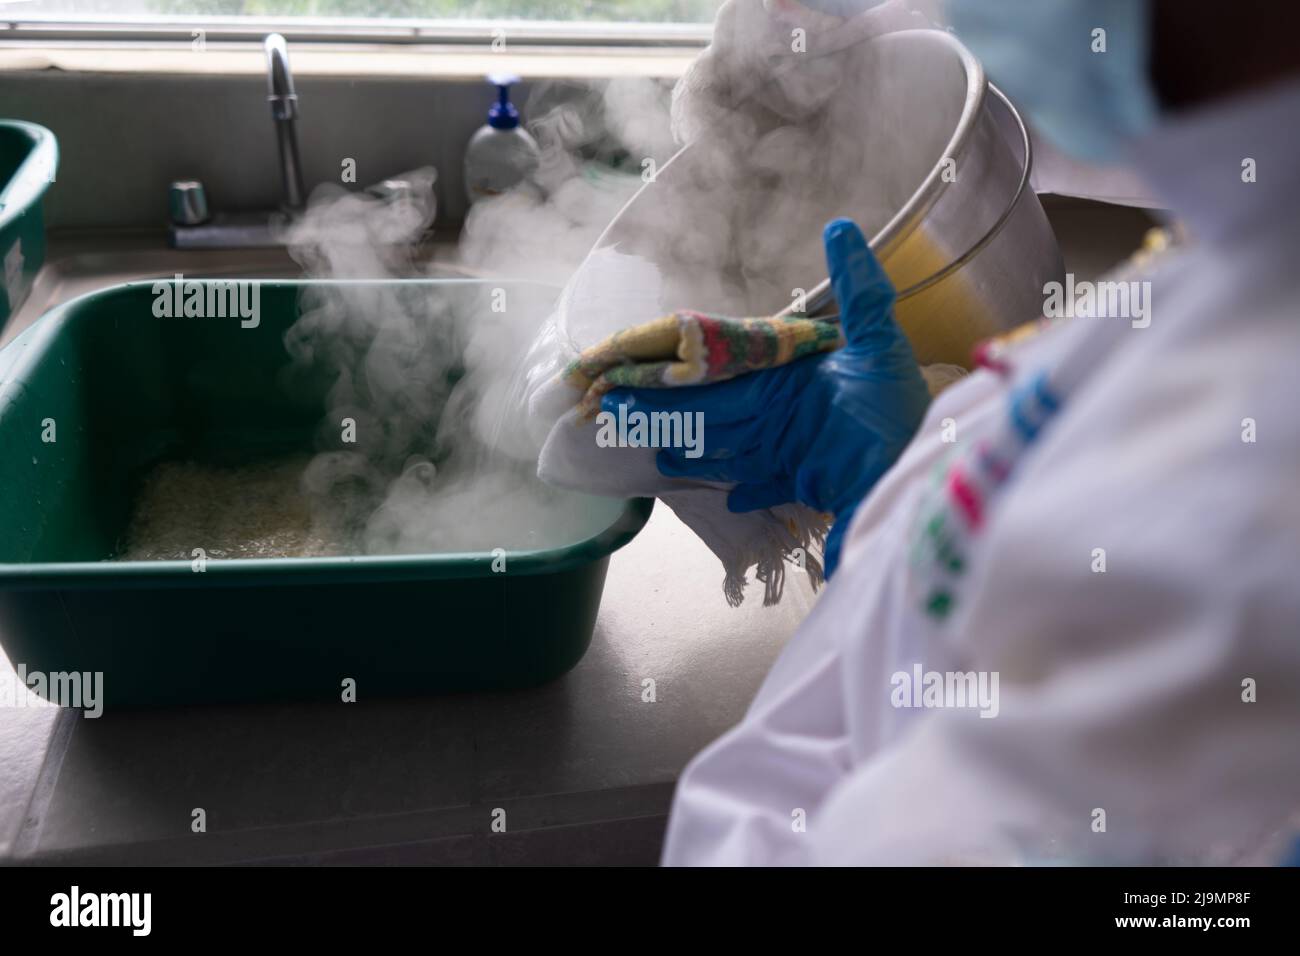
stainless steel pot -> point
(964, 239)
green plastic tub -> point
(29, 156)
(125, 390)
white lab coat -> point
(1120, 691)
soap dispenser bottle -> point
(501, 154)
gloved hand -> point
(820, 430)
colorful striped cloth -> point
(692, 348)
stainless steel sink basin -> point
(77, 263)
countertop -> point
(583, 767)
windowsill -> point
(454, 62)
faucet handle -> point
(188, 203)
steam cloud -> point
(438, 383)
(433, 377)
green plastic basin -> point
(124, 390)
(29, 156)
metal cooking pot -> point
(944, 190)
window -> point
(596, 11)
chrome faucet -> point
(192, 227)
(284, 111)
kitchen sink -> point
(81, 262)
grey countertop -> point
(583, 768)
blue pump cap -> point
(502, 114)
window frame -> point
(342, 30)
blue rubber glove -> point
(821, 430)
